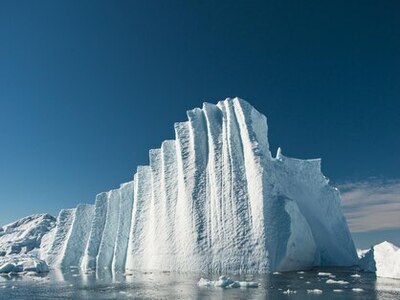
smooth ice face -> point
(319, 203)
(56, 252)
(213, 199)
(96, 232)
(78, 235)
(70, 236)
(124, 221)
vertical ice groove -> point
(79, 234)
(96, 232)
(184, 226)
(124, 224)
(213, 116)
(155, 237)
(242, 221)
(63, 230)
(254, 172)
(168, 205)
(107, 244)
(225, 203)
(134, 215)
(136, 257)
(198, 133)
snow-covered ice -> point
(21, 242)
(26, 234)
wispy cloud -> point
(371, 204)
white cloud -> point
(371, 204)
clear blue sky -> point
(88, 87)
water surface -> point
(145, 285)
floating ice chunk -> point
(314, 291)
(337, 291)
(249, 284)
(7, 268)
(357, 290)
(223, 281)
(324, 274)
(288, 292)
(234, 284)
(300, 272)
(203, 282)
(331, 281)
(356, 275)
(226, 282)
(277, 273)
(22, 263)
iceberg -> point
(214, 199)
(383, 259)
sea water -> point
(315, 284)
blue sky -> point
(88, 87)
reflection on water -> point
(73, 284)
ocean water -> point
(148, 285)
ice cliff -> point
(213, 199)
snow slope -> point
(26, 234)
(384, 259)
(22, 242)
(214, 199)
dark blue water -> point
(75, 285)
